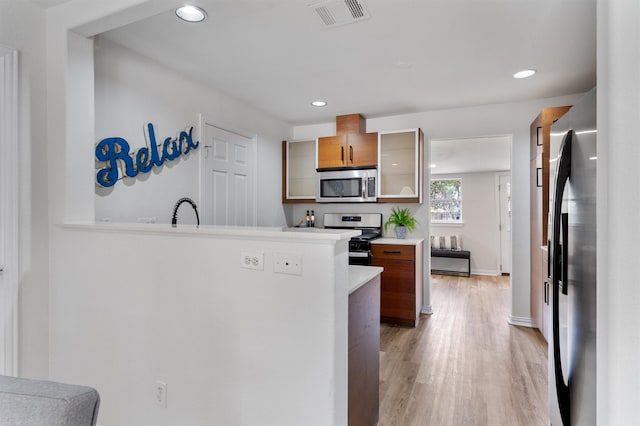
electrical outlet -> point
(287, 263)
(252, 260)
(161, 394)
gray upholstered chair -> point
(25, 402)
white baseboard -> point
(521, 321)
(426, 309)
(489, 272)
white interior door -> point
(504, 188)
(229, 178)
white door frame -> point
(202, 190)
(9, 275)
(499, 256)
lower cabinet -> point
(401, 290)
(546, 296)
(364, 354)
(537, 288)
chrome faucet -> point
(174, 219)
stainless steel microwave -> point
(347, 186)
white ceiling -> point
(471, 155)
(409, 56)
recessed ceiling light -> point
(319, 103)
(191, 13)
(432, 166)
(524, 73)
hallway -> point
(464, 364)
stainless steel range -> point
(360, 246)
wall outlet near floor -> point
(252, 260)
(161, 394)
(287, 263)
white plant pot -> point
(401, 232)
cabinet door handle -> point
(342, 154)
(546, 292)
(539, 177)
(549, 259)
(351, 153)
(391, 252)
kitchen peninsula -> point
(235, 343)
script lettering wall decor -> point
(116, 151)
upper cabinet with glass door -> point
(299, 171)
(400, 166)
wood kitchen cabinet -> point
(401, 289)
(354, 150)
(540, 135)
(364, 354)
(540, 140)
(401, 166)
(299, 171)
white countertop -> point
(406, 241)
(360, 275)
(254, 232)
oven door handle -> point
(358, 254)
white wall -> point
(480, 233)
(132, 91)
(234, 346)
(80, 122)
(22, 27)
(502, 119)
(618, 304)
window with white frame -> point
(446, 200)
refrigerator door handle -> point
(564, 274)
(559, 270)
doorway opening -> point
(480, 165)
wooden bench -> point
(452, 254)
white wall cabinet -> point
(299, 171)
(400, 166)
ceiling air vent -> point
(340, 12)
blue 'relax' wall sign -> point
(110, 150)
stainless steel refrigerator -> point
(572, 265)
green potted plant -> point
(403, 221)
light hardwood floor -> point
(464, 364)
